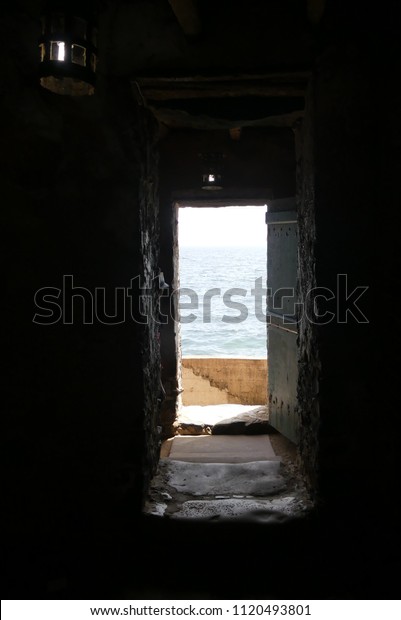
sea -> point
(222, 304)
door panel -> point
(282, 262)
(283, 374)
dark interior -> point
(89, 190)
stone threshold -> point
(266, 491)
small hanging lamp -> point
(211, 180)
(68, 53)
(212, 170)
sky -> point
(222, 226)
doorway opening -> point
(231, 463)
(223, 341)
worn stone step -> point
(222, 449)
(260, 478)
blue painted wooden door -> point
(282, 264)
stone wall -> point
(308, 350)
(79, 196)
(213, 381)
(145, 137)
(170, 330)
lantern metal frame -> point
(68, 54)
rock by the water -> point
(254, 421)
(191, 428)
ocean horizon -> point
(221, 303)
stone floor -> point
(246, 477)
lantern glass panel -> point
(57, 50)
(78, 55)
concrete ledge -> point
(213, 380)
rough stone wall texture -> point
(241, 381)
(79, 185)
(146, 132)
(308, 360)
(170, 330)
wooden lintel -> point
(282, 76)
(161, 94)
(159, 89)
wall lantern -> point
(68, 54)
(212, 170)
